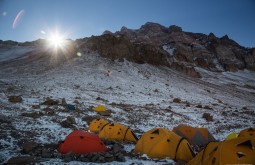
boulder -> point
(29, 147)
(188, 70)
(22, 160)
(15, 99)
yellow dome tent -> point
(118, 132)
(194, 135)
(99, 108)
(160, 143)
(97, 124)
(249, 132)
(233, 151)
(232, 135)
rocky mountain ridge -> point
(191, 49)
(165, 46)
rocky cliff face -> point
(166, 46)
(183, 51)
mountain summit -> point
(178, 49)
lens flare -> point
(4, 13)
(43, 32)
(78, 54)
(18, 18)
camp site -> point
(127, 82)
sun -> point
(56, 40)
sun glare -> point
(56, 40)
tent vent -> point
(152, 137)
(213, 160)
(168, 140)
(246, 143)
(240, 154)
(81, 137)
(155, 132)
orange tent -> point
(97, 124)
(195, 136)
(249, 132)
(81, 142)
(233, 151)
(160, 143)
(118, 132)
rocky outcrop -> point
(172, 47)
(250, 59)
(120, 47)
(195, 49)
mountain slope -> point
(123, 72)
(138, 95)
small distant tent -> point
(195, 136)
(160, 143)
(249, 132)
(97, 124)
(81, 142)
(118, 132)
(99, 108)
(232, 135)
(233, 151)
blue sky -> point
(83, 18)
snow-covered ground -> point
(139, 96)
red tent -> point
(81, 142)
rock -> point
(71, 119)
(105, 113)
(107, 32)
(114, 48)
(250, 59)
(88, 119)
(68, 123)
(120, 157)
(22, 160)
(199, 106)
(33, 115)
(201, 62)
(57, 155)
(15, 99)
(29, 147)
(46, 154)
(191, 50)
(84, 159)
(117, 148)
(176, 100)
(35, 106)
(101, 159)
(188, 70)
(63, 102)
(68, 157)
(108, 155)
(174, 28)
(208, 117)
(50, 101)
(95, 157)
(207, 107)
(110, 159)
